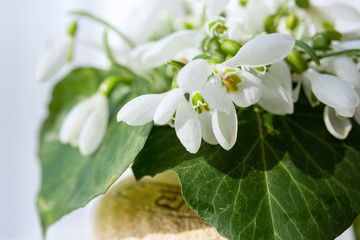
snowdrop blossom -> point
(86, 124)
(332, 91)
(56, 56)
(193, 120)
(243, 88)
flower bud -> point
(270, 24)
(297, 62)
(292, 21)
(109, 84)
(320, 42)
(243, 3)
(72, 29)
(303, 3)
(230, 47)
(332, 35)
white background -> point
(25, 26)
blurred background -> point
(26, 26)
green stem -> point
(356, 226)
(108, 49)
(349, 51)
(110, 26)
(109, 84)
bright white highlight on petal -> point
(140, 110)
(187, 127)
(53, 59)
(166, 48)
(263, 50)
(225, 128)
(167, 106)
(338, 126)
(194, 75)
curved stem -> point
(110, 26)
(108, 49)
(349, 51)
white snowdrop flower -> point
(153, 18)
(332, 91)
(241, 86)
(193, 121)
(337, 125)
(86, 124)
(166, 48)
(54, 58)
(276, 96)
(217, 28)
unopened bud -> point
(297, 62)
(303, 3)
(332, 35)
(230, 47)
(292, 21)
(320, 42)
(109, 84)
(270, 24)
(72, 29)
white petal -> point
(215, 7)
(282, 74)
(355, 44)
(342, 11)
(140, 110)
(249, 91)
(94, 130)
(194, 75)
(167, 106)
(71, 127)
(263, 50)
(166, 48)
(338, 126)
(53, 59)
(274, 98)
(225, 128)
(345, 68)
(334, 92)
(187, 127)
(207, 129)
(216, 97)
(306, 83)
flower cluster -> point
(229, 55)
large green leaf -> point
(70, 181)
(286, 177)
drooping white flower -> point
(241, 86)
(54, 58)
(332, 91)
(193, 121)
(166, 48)
(86, 124)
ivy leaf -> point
(286, 177)
(69, 180)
